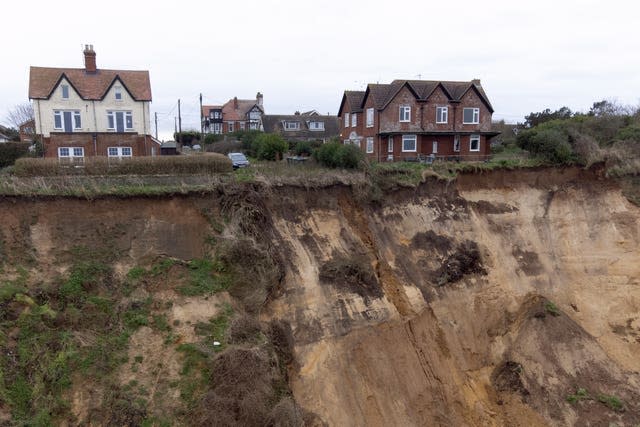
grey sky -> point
(303, 55)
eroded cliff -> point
(507, 298)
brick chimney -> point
(259, 99)
(89, 59)
(235, 102)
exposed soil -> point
(338, 318)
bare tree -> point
(20, 114)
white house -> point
(89, 111)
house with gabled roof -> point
(234, 115)
(306, 126)
(406, 119)
(90, 111)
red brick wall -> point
(103, 141)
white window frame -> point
(473, 138)
(64, 88)
(346, 120)
(117, 93)
(76, 119)
(217, 128)
(316, 126)
(442, 115)
(408, 138)
(456, 143)
(291, 126)
(230, 127)
(390, 145)
(120, 152)
(475, 116)
(434, 147)
(404, 113)
(72, 153)
(370, 117)
(354, 120)
(127, 118)
(369, 145)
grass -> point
(206, 277)
(611, 402)
(580, 394)
(552, 309)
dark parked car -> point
(239, 160)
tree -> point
(534, 119)
(268, 146)
(609, 108)
(19, 114)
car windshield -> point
(237, 156)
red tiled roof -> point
(231, 113)
(207, 108)
(90, 86)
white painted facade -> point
(93, 114)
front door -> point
(119, 121)
(68, 127)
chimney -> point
(235, 102)
(476, 82)
(89, 59)
(259, 99)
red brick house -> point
(407, 119)
(236, 114)
(90, 111)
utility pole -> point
(179, 123)
(156, 117)
(175, 127)
(201, 122)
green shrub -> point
(338, 155)
(187, 137)
(269, 147)
(549, 141)
(211, 138)
(581, 394)
(303, 148)
(170, 165)
(631, 132)
(11, 151)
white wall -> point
(93, 113)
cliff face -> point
(485, 301)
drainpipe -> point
(44, 148)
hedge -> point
(208, 163)
(10, 151)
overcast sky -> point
(302, 55)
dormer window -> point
(65, 91)
(316, 125)
(118, 92)
(291, 125)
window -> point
(456, 143)
(442, 114)
(215, 114)
(119, 151)
(370, 145)
(70, 153)
(230, 126)
(409, 143)
(118, 92)
(65, 91)
(217, 128)
(119, 120)
(346, 120)
(241, 125)
(354, 120)
(316, 125)
(471, 115)
(291, 125)
(369, 117)
(474, 143)
(67, 121)
(434, 147)
(405, 113)
(390, 145)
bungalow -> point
(307, 126)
